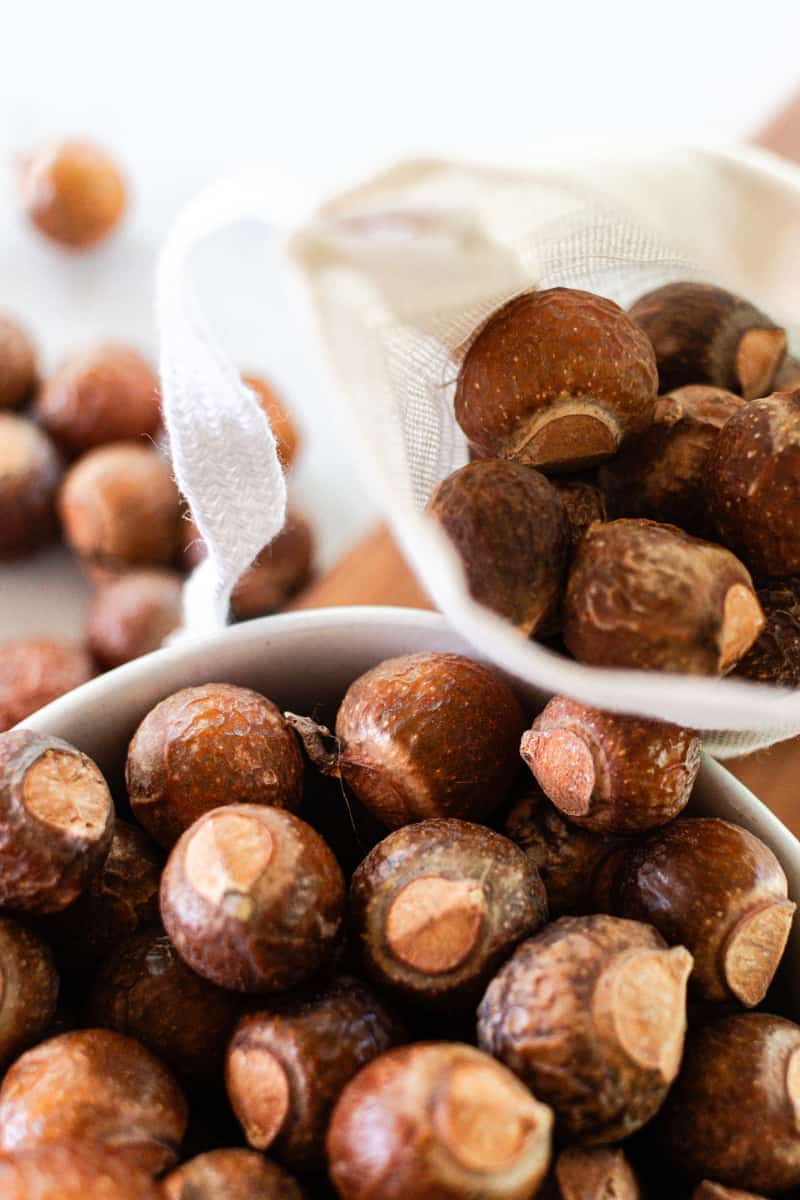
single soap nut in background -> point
(556, 379)
(280, 570)
(119, 507)
(230, 1174)
(661, 474)
(611, 773)
(56, 821)
(207, 746)
(591, 1015)
(584, 503)
(253, 899)
(753, 484)
(19, 373)
(716, 889)
(423, 735)
(35, 671)
(732, 1116)
(144, 990)
(595, 1173)
(438, 1119)
(96, 1086)
(73, 192)
(108, 393)
(286, 1067)
(28, 988)
(775, 655)
(651, 597)
(284, 429)
(30, 474)
(509, 527)
(704, 334)
(437, 906)
(71, 1171)
(132, 615)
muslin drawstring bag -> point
(389, 280)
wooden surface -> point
(375, 572)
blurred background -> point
(182, 93)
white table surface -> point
(186, 91)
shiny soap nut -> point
(28, 988)
(230, 1174)
(509, 527)
(207, 746)
(718, 890)
(611, 773)
(286, 1067)
(132, 615)
(56, 821)
(119, 507)
(438, 1119)
(30, 473)
(277, 573)
(556, 379)
(108, 393)
(734, 1113)
(253, 899)
(120, 900)
(94, 1086)
(651, 597)
(775, 655)
(661, 474)
(35, 671)
(753, 484)
(283, 427)
(596, 1173)
(438, 905)
(75, 1170)
(73, 192)
(704, 334)
(147, 992)
(591, 1015)
(429, 735)
(18, 370)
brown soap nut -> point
(438, 1119)
(591, 1014)
(611, 773)
(651, 597)
(707, 1190)
(94, 1085)
(120, 900)
(775, 655)
(108, 393)
(30, 472)
(438, 905)
(596, 1173)
(36, 671)
(584, 503)
(509, 527)
(146, 991)
(753, 484)
(277, 573)
(661, 474)
(566, 856)
(283, 427)
(253, 899)
(230, 1174)
(73, 192)
(75, 1170)
(119, 507)
(713, 887)
(286, 1067)
(704, 334)
(556, 379)
(56, 821)
(426, 735)
(733, 1114)
(132, 615)
(207, 746)
(28, 988)
(18, 370)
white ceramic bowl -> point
(304, 662)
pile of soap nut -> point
(80, 458)
(634, 490)
(450, 951)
